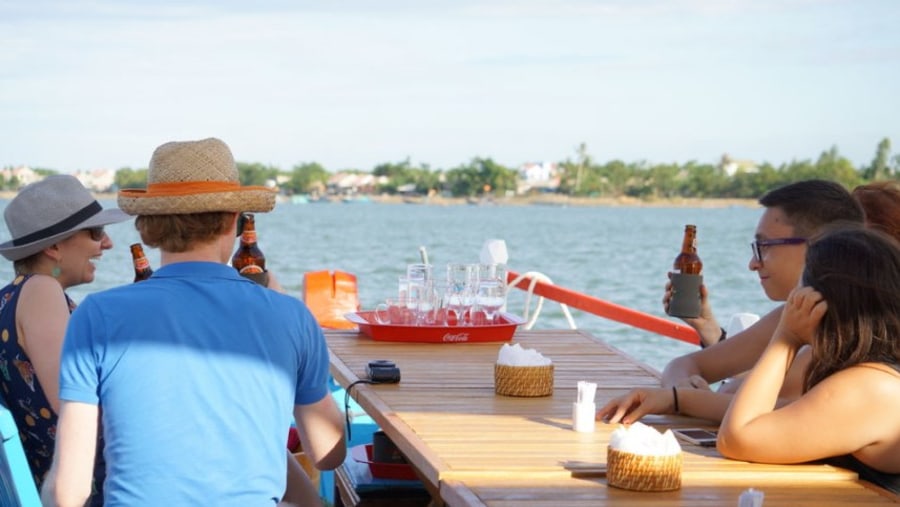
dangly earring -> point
(56, 271)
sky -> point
(355, 83)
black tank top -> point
(890, 482)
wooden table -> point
(473, 447)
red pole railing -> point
(608, 310)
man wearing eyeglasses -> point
(793, 214)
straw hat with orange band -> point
(194, 177)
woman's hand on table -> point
(630, 407)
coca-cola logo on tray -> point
(457, 337)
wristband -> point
(721, 338)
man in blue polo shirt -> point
(197, 373)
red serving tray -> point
(500, 331)
(402, 471)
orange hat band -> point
(185, 188)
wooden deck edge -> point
(456, 494)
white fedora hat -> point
(48, 211)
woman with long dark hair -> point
(847, 308)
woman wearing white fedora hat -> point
(198, 370)
(57, 233)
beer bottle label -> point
(141, 264)
(251, 269)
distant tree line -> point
(579, 176)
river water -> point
(620, 254)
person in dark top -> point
(57, 234)
(847, 309)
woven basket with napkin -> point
(639, 458)
(522, 372)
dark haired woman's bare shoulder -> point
(891, 369)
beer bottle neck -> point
(248, 237)
(689, 244)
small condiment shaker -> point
(583, 415)
(751, 498)
(584, 410)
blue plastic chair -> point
(17, 488)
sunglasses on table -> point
(758, 245)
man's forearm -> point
(51, 497)
(703, 404)
(678, 372)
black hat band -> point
(61, 226)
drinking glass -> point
(462, 280)
(393, 311)
(402, 286)
(423, 301)
(418, 271)
(490, 297)
(438, 315)
(415, 293)
(492, 271)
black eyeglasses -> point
(96, 233)
(758, 245)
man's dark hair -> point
(810, 204)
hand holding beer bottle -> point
(686, 278)
(248, 259)
(142, 270)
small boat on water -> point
(481, 201)
(356, 199)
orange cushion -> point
(329, 296)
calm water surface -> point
(620, 254)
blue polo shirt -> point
(196, 371)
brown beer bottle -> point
(688, 262)
(248, 259)
(142, 270)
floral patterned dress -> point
(24, 396)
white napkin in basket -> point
(515, 355)
(638, 438)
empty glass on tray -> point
(490, 296)
(462, 279)
(470, 294)
(394, 311)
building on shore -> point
(14, 178)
